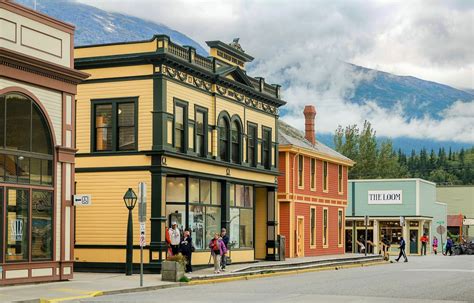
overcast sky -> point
(431, 40)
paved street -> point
(422, 279)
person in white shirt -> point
(175, 238)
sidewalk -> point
(83, 285)
(86, 285)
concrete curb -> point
(249, 275)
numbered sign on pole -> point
(142, 234)
(142, 202)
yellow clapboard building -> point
(201, 134)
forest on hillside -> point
(381, 161)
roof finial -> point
(235, 44)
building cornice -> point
(313, 153)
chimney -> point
(309, 131)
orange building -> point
(312, 192)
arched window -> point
(26, 157)
(224, 138)
(26, 148)
(236, 141)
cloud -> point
(304, 46)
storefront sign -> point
(82, 200)
(468, 222)
(385, 197)
(16, 228)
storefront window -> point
(204, 207)
(426, 228)
(175, 189)
(196, 223)
(213, 222)
(390, 230)
(17, 225)
(176, 213)
(241, 217)
(41, 225)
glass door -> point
(413, 241)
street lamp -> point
(130, 199)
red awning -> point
(455, 220)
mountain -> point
(418, 98)
(96, 26)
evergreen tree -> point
(367, 152)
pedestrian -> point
(435, 245)
(186, 247)
(175, 238)
(225, 239)
(386, 248)
(449, 246)
(217, 251)
(424, 240)
(402, 250)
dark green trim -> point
(115, 134)
(111, 168)
(160, 57)
(236, 118)
(117, 79)
(185, 105)
(159, 112)
(205, 113)
(157, 244)
(115, 267)
(226, 117)
(267, 130)
(160, 36)
(108, 154)
(230, 50)
(255, 153)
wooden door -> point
(300, 237)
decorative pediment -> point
(237, 74)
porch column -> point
(272, 222)
(376, 233)
(158, 220)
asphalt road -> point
(422, 279)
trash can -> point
(281, 248)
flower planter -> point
(172, 271)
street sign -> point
(142, 234)
(440, 222)
(142, 202)
(441, 229)
(82, 200)
(402, 221)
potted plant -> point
(173, 268)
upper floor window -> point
(236, 139)
(251, 144)
(180, 124)
(223, 138)
(201, 132)
(325, 175)
(266, 147)
(26, 143)
(313, 173)
(115, 125)
(300, 170)
(339, 179)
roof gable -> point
(236, 73)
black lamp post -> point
(130, 199)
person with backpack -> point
(402, 250)
(186, 247)
(218, 249)
(449, 246)
(225, 239)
